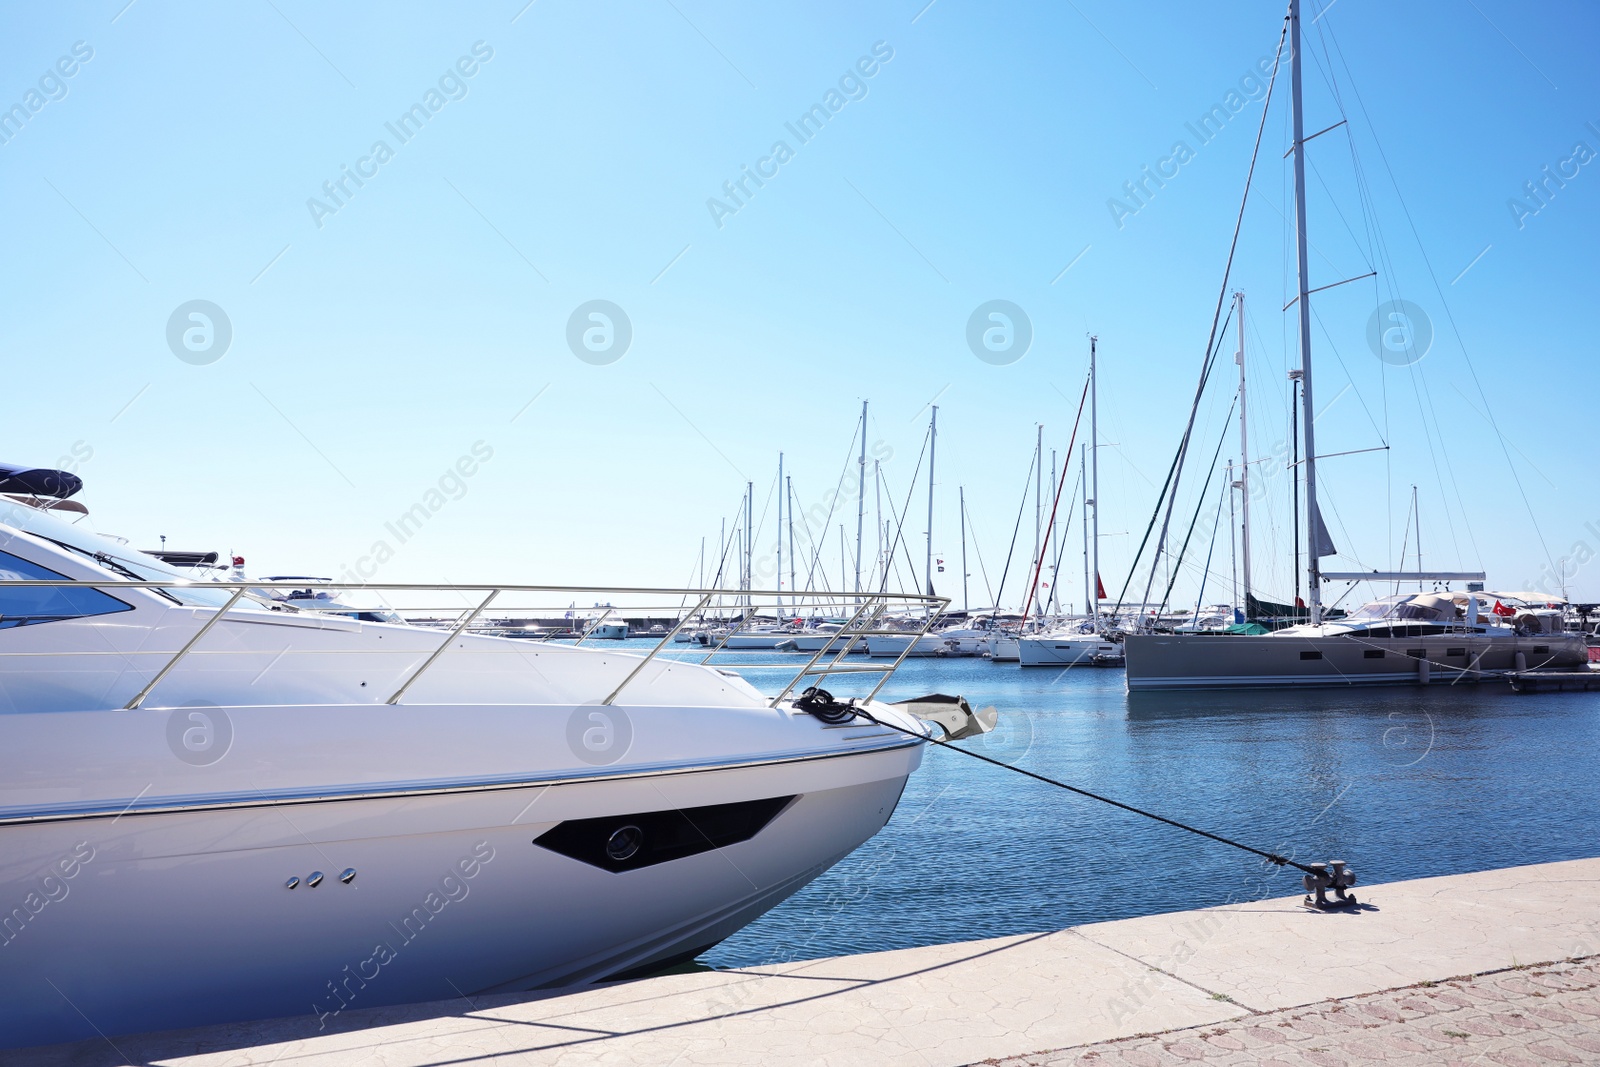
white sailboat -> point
(1083, 644)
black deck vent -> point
(626, 842)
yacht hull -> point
(1064, 651)
(180, 918)
(1240, 662)
(817, 642)
(778, 642)
(886, 646)
(1006, 650)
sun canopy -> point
(38, 481)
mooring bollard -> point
(1338, 879)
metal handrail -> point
(877, 603)
(806, 670)
(465, 622)
(659, 646)
(133, 705)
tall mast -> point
(1417, 511)
(788, 492)
(1038, 501)
(878, 526)
(1050, 546)
(1294, 480)
(842, 584)
(1244, 460)
(749, 539)
(933, 439)
(1094, 482)
(962, 490)
(861, 491)
(1233, 559)
(1313, 516)
(1091, 603)
(780, 529)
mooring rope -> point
(820, 702)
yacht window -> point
(28, 605)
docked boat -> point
(761, 639)
(912, 644)
(977, 635)
(1398, 638)
(215, 807)
(1403, 638)
(1068, 649)
(609, 630)
(1006, 648)
(828, 636)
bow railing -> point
(727, 629)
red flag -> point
(1099, 588)
(1299, 603)
(1503, 611)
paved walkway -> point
(1200, 977)
(1525, 1016)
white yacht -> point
(1006, 647)
(1070, 648)
(976, 636)
(215, 807)
(761, 639)
(822, 635)
(910, 644)
(608, 629)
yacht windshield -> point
(1387, 608)
(116, 558)
(1405, 607)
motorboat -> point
(609, 629)
(215, 806)
(1401, 638)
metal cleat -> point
(1338, 879)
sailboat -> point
(1084, 644)
(915, 642)
(1401, 638)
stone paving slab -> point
(1445, 926)
(1526, 1016)
(946, 1005)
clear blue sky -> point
(373, 345)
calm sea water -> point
(1402, 783)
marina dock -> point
(1497, 962)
